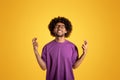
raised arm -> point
(80, 59)
(40, 61)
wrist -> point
(84, 51)
(35, 51)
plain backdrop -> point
(97, 21)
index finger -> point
(34, 39)
(85, 42)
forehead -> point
(60, 23)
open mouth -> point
(59, 31)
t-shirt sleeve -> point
(74, 55)
(44, 54)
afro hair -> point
(54, 21)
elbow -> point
(43, 68)
(74, 67)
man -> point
(59, 56)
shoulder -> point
(70, 43)
(49, 44)
(73, 46)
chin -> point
(59, 35)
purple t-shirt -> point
(59, 59)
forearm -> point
(80, 59)
(40, 60)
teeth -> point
(59, 31)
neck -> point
(60, 39)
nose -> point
(59, 27)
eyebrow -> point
(62, 24)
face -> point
(60, 29)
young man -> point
(59, 56)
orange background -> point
(97, 21)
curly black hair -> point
(54, 21)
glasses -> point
(60, 26)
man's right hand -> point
(35, 44)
